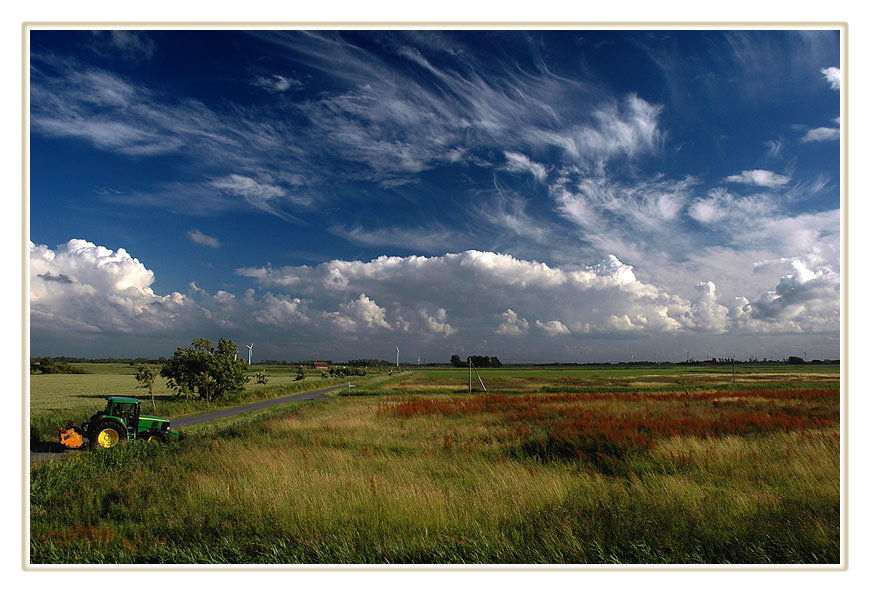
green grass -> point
(347, 480)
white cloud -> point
(740, 213)
(435, 238)
(832, 75)
(362, 311)
(276, 83)
(759, 177)
(280, 311)
(263, 196)
(197, 236)
(127, 45)
(512, 325)
(808, 297)
(706, 313)
(821, 135)
(80, 285)
(473, 284)
(774, 148)
(437, 324)
(553, 327)
(520, 163)
(80, 288)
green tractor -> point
(119, 421)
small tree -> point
(203, 372)
(300, 373)
(145, 375)
(456, 361)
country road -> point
(51, 451)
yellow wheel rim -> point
(154, 439)
(108, 437)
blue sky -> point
(545, 195)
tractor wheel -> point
(155, 436)
(108, 433)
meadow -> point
(657, 465)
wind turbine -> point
(397, 356)
(250, 349)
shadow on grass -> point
(37, 445)
(141, 398)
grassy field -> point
(550, 465)
(56, 399)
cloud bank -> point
(437, 302)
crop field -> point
(656, 465)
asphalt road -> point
(237, 410)
(50, 451)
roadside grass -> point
(398, 474)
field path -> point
(39, 454)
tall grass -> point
(356, 480)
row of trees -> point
(48, 365)
(370, 363)
(476, 360)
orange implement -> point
(70, 438)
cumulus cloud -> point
(279, 311)
(809, 295)
(473, 283)
(512, 324)
(81, 288)
(553, 327)
(832, 75)
(706, 313)
(367, 311)
(759, 177)
(437, 324)
(197, 236)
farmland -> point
(549, 465)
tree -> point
(456, 361)
(202, 372)
(300, 373)
(145, 375)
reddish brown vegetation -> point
(582, 426)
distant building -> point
(320, 365)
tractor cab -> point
(126, 409)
